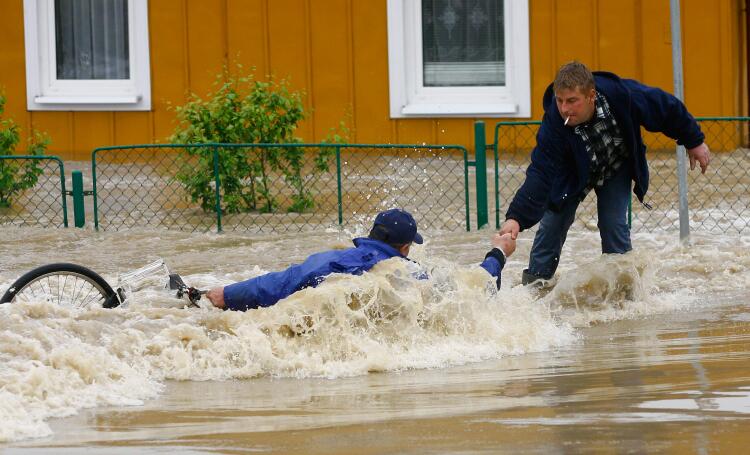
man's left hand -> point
(702, 155)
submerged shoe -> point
(539, 283)
(528, 278)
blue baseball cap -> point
(401, 227)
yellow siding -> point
(169, 63)
(370, 73)
(330, 64)
(247, 33)
(336, 52)
(12, 57)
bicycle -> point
(80, 287)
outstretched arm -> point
(532, 199)
(663, 112)
(503, 246)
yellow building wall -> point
(336, 52)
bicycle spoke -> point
(50, 291)
(61, 290)
(75, 290)
(45, 292)
(85, 299)
(59, 294)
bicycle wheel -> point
(65, 284)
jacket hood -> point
(377, 245)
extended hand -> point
(701, 154)
(216, 297)
(510, 227)
(504, 242)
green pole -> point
(466, 189)
(93, 188)
(218, 188)
(64, 193)
(497, 183)
(480, 152)
(79, 214)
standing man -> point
(590, 139)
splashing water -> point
(56, 361)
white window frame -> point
(44, 92)
(410, 98)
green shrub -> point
(243, 110)
(17, 176)
(302, 199)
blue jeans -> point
(612, 207)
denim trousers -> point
(612, 202)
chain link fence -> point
(32, 191)
(718, 200)
(277, 187)
(306, 187)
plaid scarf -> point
(604, 142)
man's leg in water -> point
(548, 243)
(612, 204)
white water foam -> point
(57, 360)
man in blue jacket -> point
(590, 139)
(392, 235)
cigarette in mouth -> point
(566, 120)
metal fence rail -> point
(44, 202)
(277, 187)
(718, 200)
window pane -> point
(92, 39)
(463, 42)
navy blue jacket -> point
(560, 164)
(266, 290)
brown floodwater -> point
(645, 352)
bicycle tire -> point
(69, 284)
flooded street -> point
(637, 353)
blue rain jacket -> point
(560, 164)
(266, 290)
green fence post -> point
(466, 189)
(79, 214)
(630, 211)
(480, 154)
(63, 193)
(496, 157)
(93, 189)
(218, 188)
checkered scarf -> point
(604, 142)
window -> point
(87, 55)
(459, 58)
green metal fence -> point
(718, 200)
(43, 202)
(277, 187)
(303, 187)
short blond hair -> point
(573, 75)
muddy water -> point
(635, 353)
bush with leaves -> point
(243, 110)
(17, 176)
(302, 199)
